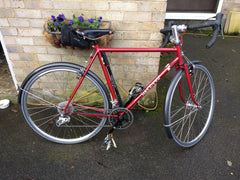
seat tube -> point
(106, 75)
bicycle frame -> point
(178, 62)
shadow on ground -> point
(144, 151)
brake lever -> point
(221, 30)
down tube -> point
(165, 70)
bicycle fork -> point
(185, 66)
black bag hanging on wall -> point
(70, 38)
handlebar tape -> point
(214, 24)
(207, 24)
(165, 30)
(215, 30)
(214, 38)
(167, 34)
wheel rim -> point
(188, 122)
(44, 97)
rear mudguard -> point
(64, 65)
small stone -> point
(229, 163)
(14, 110)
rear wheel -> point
(184, 121)
(46, 94)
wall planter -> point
(61, 32)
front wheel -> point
(184, 121)
(46, 94)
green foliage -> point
(52, 26)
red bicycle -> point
(68, 103)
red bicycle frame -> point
(98, 52)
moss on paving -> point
(12, 98)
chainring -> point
(121, 118)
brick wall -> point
(137, 24)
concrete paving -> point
(144, 151)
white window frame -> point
(194, 16)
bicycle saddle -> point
(96, 33)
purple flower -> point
(73, 16)
(81, 19)
(71, 22)
(56, 24)
(90, 21)
(61, 17)
(99, 21)
(53, 18)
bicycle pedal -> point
(114, 143)
(108, 142)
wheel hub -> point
(190, 105)
(62, 105)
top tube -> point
(173, 49)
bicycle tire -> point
(45, 94)
(184, 122)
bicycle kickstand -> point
(109, 141)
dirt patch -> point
(6, 82)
